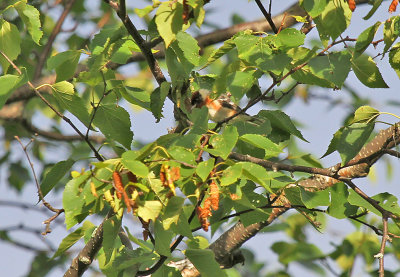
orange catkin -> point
(393, 6)
(214, 196)
(118, 184)
(352, 5)
(121, 191)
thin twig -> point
(371, 201)
(66, 119)
(56, 30)
(392, 152)
(381, 253)
(267, 15)
(174, 245)
(96, 107)
(40, 194)
(151, 61)
(58, 136)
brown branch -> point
(85, 257)
(267, 16)
(39, 191)
(66, 119)
(151, 61)
(383, 245)
(56, 30)
(58, 136)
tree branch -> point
(58, 136)
(56, 30)
(85, 257)
(267, 16)
(63, 117)
(226, 245)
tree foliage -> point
(231, 178)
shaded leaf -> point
(8, 84)
(72, 238)
(67, 98)
(204, 261)
(64, 63)
(31, 18)
(281, 121)
(10, 43)
(114, 122)
(367, 72)
(54, 175)
(352, 139)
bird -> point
(220, 108)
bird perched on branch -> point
(221, 108)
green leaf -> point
(255, 173)
(289, 38)
(146, 10)
(189, 47)
(394, 58)
(54, 175)
(124, 52)
(326, 71)
(353, 139)
(72, 238)
(365, 114)
(149, 210)
(64, 63)
(265, 53)
(315, 199)
(271, 149)
(66, 97)
(199, 117)
(157, 99)
(136, 167)
(298, 251)
(239, 83)
(10, 43)
(162, 238)
(340, 206)
(281, 121)
(182, 154)
(223, 143)
(172, 212)
(114, 122)
(365, 38)
(333, 20)
(231, 174)
(111, 228)
(31, 18)
(9, 83)
(391, 31)
(136, 96)
(169, 21)
(204, 168)
(388, 201)
(204, 261)
(313, 7)
(228, 45)
(334, 142)
(367, 72)
(72, 201)
(376, 5)
(355, 199)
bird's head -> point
(199, 98)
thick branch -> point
(225, 246)
(58, 136)
(86, 256)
